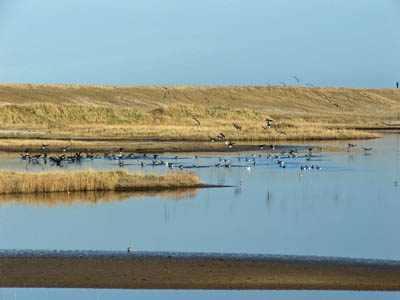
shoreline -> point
(164, 270)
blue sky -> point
(227, 42)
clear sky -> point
(210, 42)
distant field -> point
(147, 112)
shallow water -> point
(67, 294)
(349, 208)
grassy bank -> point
(48, 182)
(168, 113)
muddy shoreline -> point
(163, 270)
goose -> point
(237, 126)
(269, 122)
(230, 144)
(197, 121)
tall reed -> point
(47, 182)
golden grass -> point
(48, 182)
(147, 112)
(91, 197)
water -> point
(349, 208)
(92, 294)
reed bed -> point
(49, 182)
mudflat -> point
(150, 270)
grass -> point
(91, 197)
(49, 182)
(151, 112)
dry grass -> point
(48, 182)
(91, 197)
(68, 111)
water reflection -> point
(347, 208)
(93, 197)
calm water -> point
(348, 208)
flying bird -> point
(237, 126)
(309, 84)
(269, 122)
(197, 121)
(295, 77)
(281, 82)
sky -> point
(185, 42)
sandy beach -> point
(151, 270)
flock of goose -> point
(282, 159)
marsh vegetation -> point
(59, 181)
(170, 113)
